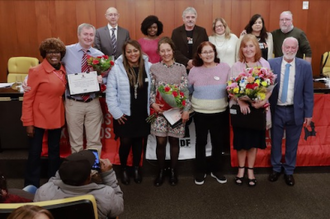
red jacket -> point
(43, 104)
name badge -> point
(216, 78)
(146, 80)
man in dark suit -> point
(291, 103)
(110, 39)
(187, 38)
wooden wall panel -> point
(165, 11)
(24, 24)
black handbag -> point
(256, 119)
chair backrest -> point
(18, 68)
(325, 64)
(68, 208)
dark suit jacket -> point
(103, 40)
(303, 100)
(179, 37)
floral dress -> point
(162, 74)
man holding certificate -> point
(82, 104)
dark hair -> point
(263, 32)
(197, 61)
(166, 40)
(54, 44)
(129, 69)
(246, 38)
(29, 211)
(150, 20)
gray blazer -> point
(103, 40)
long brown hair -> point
(29, 211)
(129, 69)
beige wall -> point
(24, 24)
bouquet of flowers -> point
(252, 84)
(170, 96)
(102, 65)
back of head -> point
(76, 168)
(30, 212)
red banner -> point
(312, 151)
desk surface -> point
(321, 87)
(10, 92)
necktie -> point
(84, 68)
(113, 41)
(285, 83)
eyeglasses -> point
(52, 52)
(204, 53)
(219, 26)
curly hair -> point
(263, 32)
(150, 20)
(52, 44)
(247, 38)
(197, 61)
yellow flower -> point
(229, 83)
(264, 83)
(262, 96)
(236, 89)
(257, 82)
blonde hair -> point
(225, 25)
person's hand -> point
(105, 164)
(243, 32)
(25, 86)
(189, 64)
(259, 104)
(100, 79)
(185, 116)
(308, 121)
(245, 109)
(157, 107)
(30, 131)
(122, 120)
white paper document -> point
(4, 85)
(82, 83)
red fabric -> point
(10, 198)
(160, 100)
(110, 146)
(315, 151)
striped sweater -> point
(208, 88)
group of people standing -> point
(190, 60)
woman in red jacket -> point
(43, 108)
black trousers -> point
(216, 124)
(32, 175)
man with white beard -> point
(288, 30)
(291, 104)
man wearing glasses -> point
(110, 39)
(288, 30)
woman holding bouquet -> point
(207, 84)
(127, 96)
(246, 141)
(167, 72)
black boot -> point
(137, 175)
(160, 178)
(173, 177)
(124, 177)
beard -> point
(289, 56)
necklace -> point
(136, 85)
